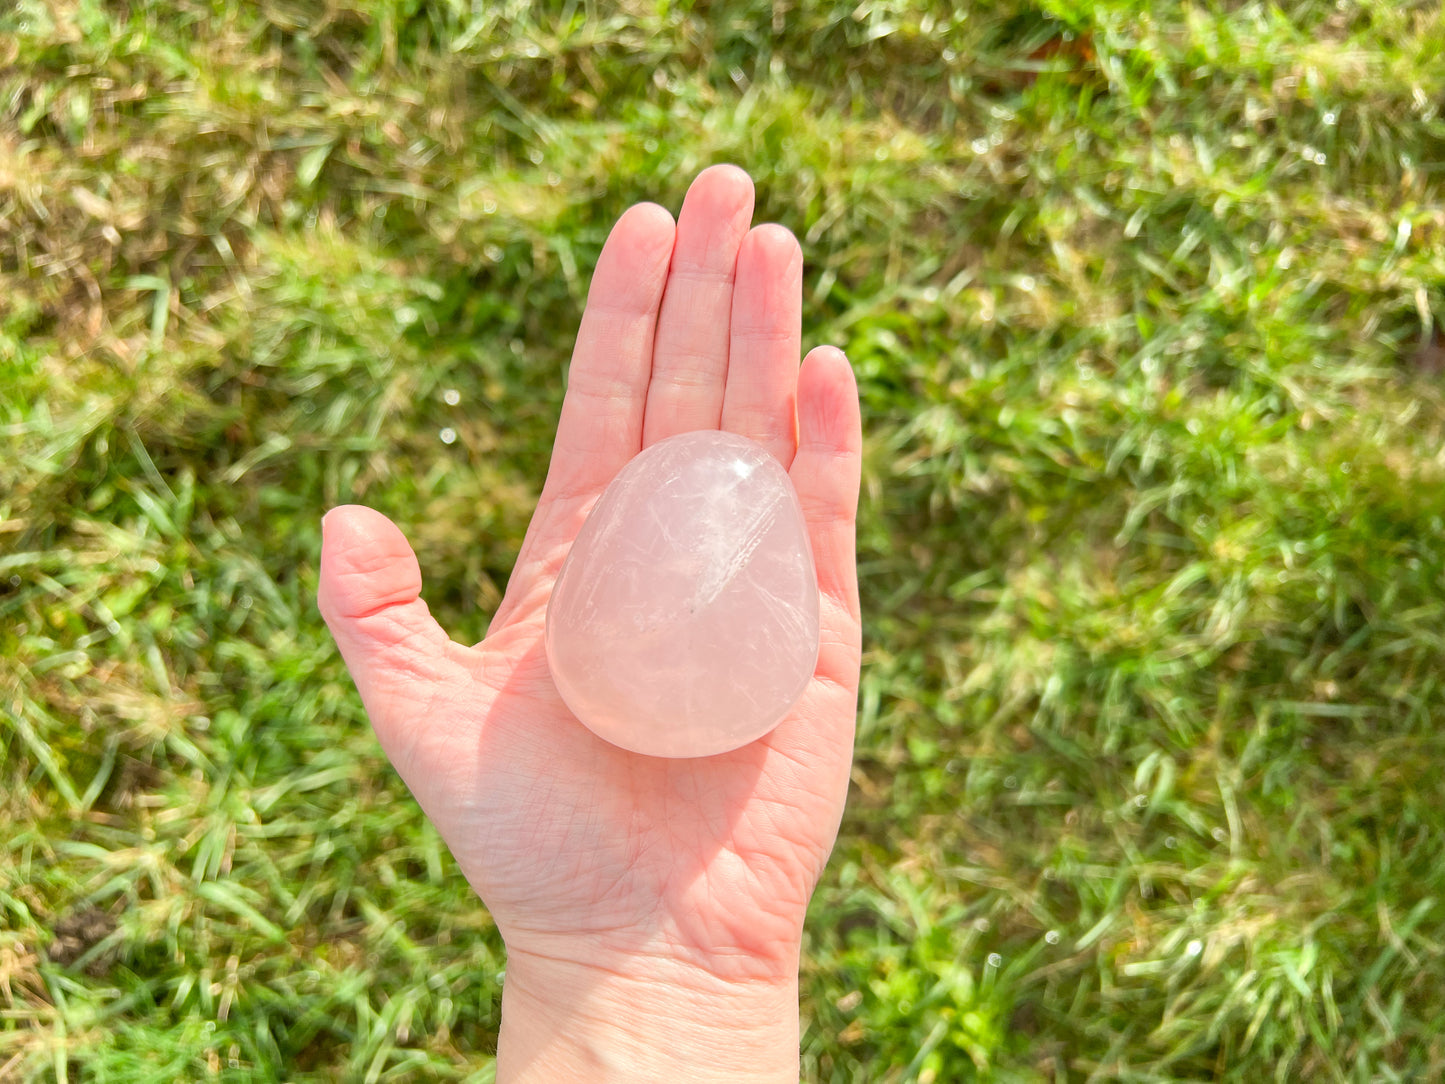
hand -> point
(652, 909)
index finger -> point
(601, 424)
(600, 428)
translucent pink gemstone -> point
(685, 619)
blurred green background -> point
(1142, 298)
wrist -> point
(660, 1021)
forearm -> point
(565, 1023)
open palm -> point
(584, 852)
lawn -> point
(1143, 299)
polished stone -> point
(684, 621)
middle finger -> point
(690, 356)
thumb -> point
(370, 595)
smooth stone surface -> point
(684, 621)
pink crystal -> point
(685, 619)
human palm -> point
(584, 852)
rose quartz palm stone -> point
(684, 621)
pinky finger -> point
(826, 475)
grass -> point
(1143, 299)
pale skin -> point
(652, 909)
